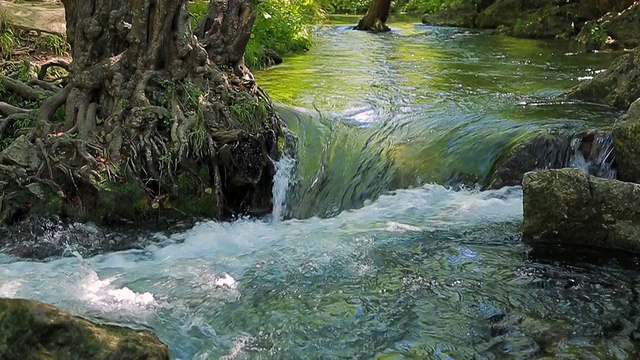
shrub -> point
(283, 26)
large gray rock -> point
(23, 153)
(626, 141)
(568, 206)
(33, 330)
(618, 86)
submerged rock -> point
(543, 150)
(570, 207)
(618, 86)
(626, 134)
(33, 330)
(40, 238)
(591, 151)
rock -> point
(618, 86)
(459, 13)
(614, 30)
(626, 141)
(503, 13)
(569, 207)
(33, 330)
(273, 57)
(40, 238)
(23, 153)
(545, 18)
(36, 190)
(528, 152)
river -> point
(369, 254)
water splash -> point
(593, 153)
(281, 183)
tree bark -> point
(151, 103)
(376, 17)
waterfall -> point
(281, 182)
(593, 153)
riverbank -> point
(595, 25)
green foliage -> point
(198, 10)
(8, 40)
(597, 32)
(250, 113)
(283, 26)
(347, 6)
(408, 6)
(53, 43)
(24, 71)
(419, 6)
(524, 26)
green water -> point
(421, 105)
(426, 272)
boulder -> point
(618, 86)
(626, 141)
(570, 207)
(545, 18)
(33, 330)
(23, 153)
(460, 14)
(504, 13)
(614, 30)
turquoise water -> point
(421, 105)
(379, 259)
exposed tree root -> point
(44, 68)
(185, 124)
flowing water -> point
(380, 260)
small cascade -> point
(281, 182)
(592, 152)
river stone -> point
(22, 153)
(528, 152)
(626, 141)
(33, 330)
(567, 206)
(618, 86)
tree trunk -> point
(153, 106)
(376, 17)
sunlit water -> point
(426, 272)
(421, 105)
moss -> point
(196, 199)
(32, 330)
(250, 113)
